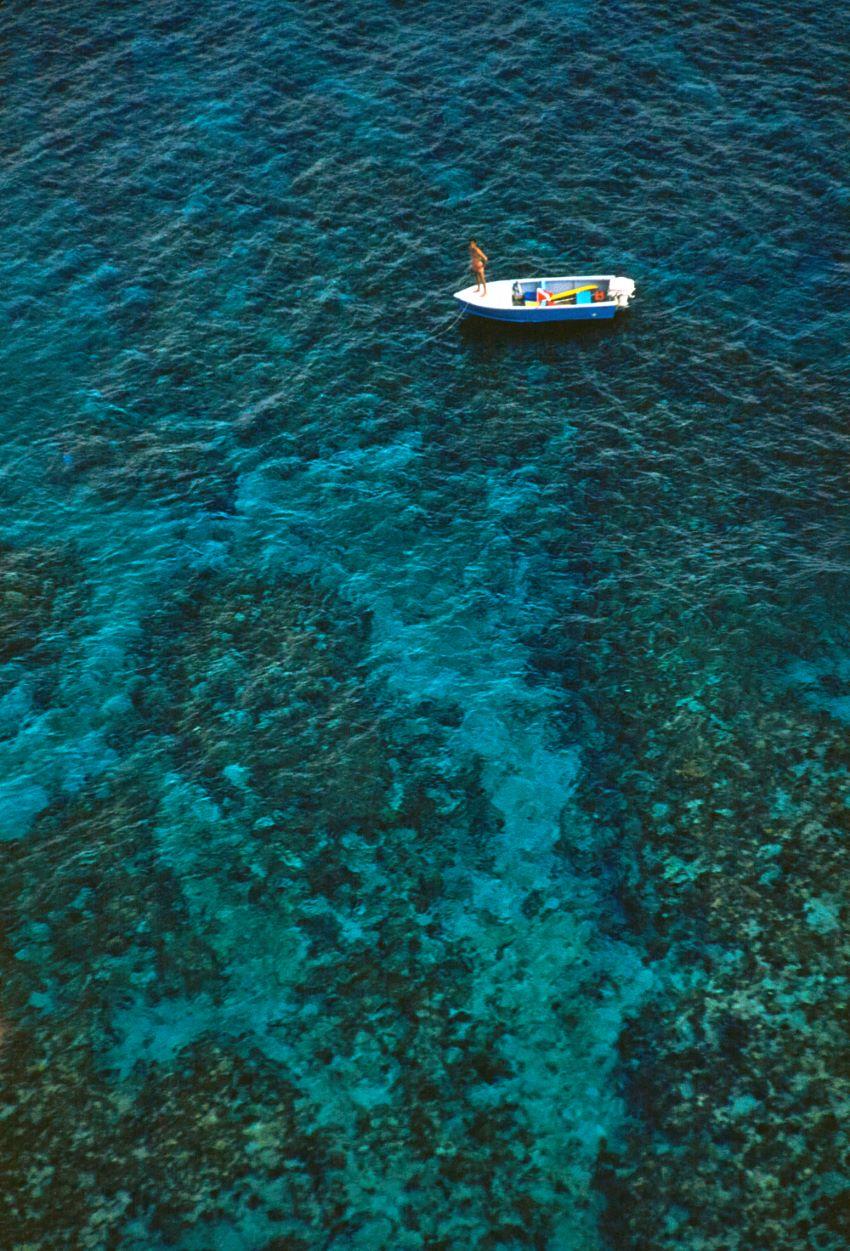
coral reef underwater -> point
(423, 747)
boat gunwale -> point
(474, 301)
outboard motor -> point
(621, 291)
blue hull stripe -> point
(528, 316)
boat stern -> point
(621, 290)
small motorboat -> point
(579, 297)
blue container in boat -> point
(583, 297)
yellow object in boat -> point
(562, 295)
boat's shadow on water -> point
(496, 336)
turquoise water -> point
(424, 781)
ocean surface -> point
(424, 746)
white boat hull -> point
(499, 305)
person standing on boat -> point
(477, 261)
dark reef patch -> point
(320, 900)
